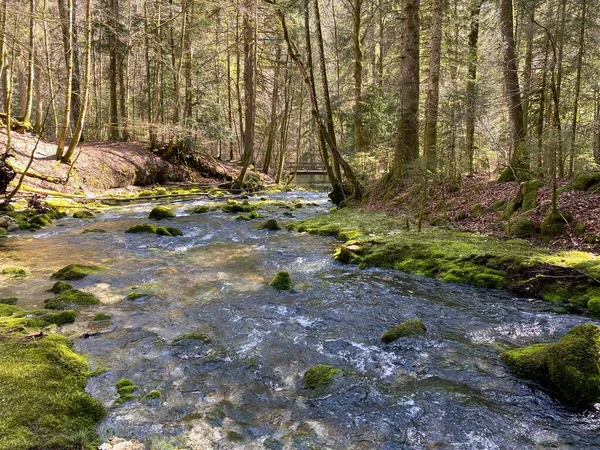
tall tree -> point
(407, 141)
(471, 98)
(68, 50)
(518, 160)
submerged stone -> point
(270, 224)
(161, 212)
(320, 375)
(16, 272)
(60, 286)
(101, 317)
(193, 337)
(282, 281)
(75, 271)
(93, 230)
(70, 298)
(411, 327)
(571, 365)
(83, 214)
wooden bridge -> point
(307, 168)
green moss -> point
(522, 228)
(578, 228)
(320, 375)
(42, 220)
(83, 214)
(233, 206)
(556, 294)
(125, 389)
(168, 231)
(152, 395)
(553, 225)
(282, 281)
(499, 205)
(234, 436)
(136, 295)
(76, 271)
(161, 212)
(530, 190)
(592, 239)
(16, 272)
(585, 181)
(3, 231)
(59, 287)
(594, 305)
(411, 327)
(201, 209)
(571, 365)
(69, 298)
(477, 210)
(250, 216)
(270, 224)
(529, 362)
(43, 381)
(100, 317)
(142, 228)
(193, 337)
(9, 301)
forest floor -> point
(107, 168)
(479, 205)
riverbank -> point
(373, 238)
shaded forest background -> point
(364, 88)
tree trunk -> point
(471, 99)
(527, 71)
(358, 68)
(518, 160)
(274, 103)
(407, 143)
(577, 87)
(30, 64)
(86, 84)
(433, 86)
(112, 70)
(249, 87)
(68, 49)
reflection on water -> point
(244, 389)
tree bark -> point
(574, 120)
(68, 49)
(471, 99)
(407, 143)
(273, 119)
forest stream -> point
(244, 388)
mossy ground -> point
(42, 387)
(377, 239)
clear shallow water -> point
(448, 390)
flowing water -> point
(447, 390)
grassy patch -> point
(377, 239)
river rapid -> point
(244, 389)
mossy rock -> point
(411, 327)
(201, 209)
(201, 337)
(16, 272)
(136, 295)
(585, 181)
(347, 254)
(3, 231)
(93, 230)
(142, 228)
(553, 225)
(250, 216)
(101, 317)
(320, 375)
(43, 220)
(522, 228)
(233, 206)
(161, 212)
(270, 224)
(571, 365)
(168, 231)
(83, 214)
(152, 395)
(76, 271)
(59, 287)
(43, 381)
(9, 301)
(282, 281)
(70, 298)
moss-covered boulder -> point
(320, 375)
(282, 281)
(270, 224)
(571, 366)
(586, 181)
(250, 216)
(70, 298)
(43, 220)
(83, 214)
(142, 228)
(553, 225)
(16, 272)
(234, 206)
(411, 327)
(201, 209)
(9, 301)
(168, 231)
(522, 228)
(76, 271)
(161, 212)
(59, 287)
